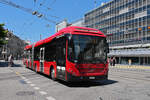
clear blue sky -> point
(29, 27)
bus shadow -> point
(88, 83)
(82, 83)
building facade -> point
(64, 23)
(79, 22)
(127, 26)
(15, 47)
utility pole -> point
(40, 37)
(95, 3)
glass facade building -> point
(127, 26)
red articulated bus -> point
(72, 54)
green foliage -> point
(3, 34)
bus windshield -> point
(84, 49)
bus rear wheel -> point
(53, 74)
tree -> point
(3, 34)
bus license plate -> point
(91, 77)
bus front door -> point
(61, 62)
(42, 59)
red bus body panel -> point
(76, 70)
(47, 66)
(86, 69)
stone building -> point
(15, 46)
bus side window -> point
(36, 54)
(64, 51)
(61, 52)
(50, 52)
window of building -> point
(136, 5)
(144, 2)
(148, 21)
(148, 11)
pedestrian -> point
(130, 61)
(108, 60)
(113, 61)
(10, 60)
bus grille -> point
(90, 68)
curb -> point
(131, 66)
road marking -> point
(23, 77)
(35, 78)
(32, 84)
(11, 69)
(17, 73)
(28, 82)
(42, 92)
(36, 88)
(50, 98)
(26, 79)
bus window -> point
(87, 49)
(36, 54)
(61, 52)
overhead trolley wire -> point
(29, 11)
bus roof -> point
(28, 47)
(71, 30)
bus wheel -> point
(53, 74)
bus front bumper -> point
(71, 78)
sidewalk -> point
(17, 63)
(130, 66)
(3, 63)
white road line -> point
(36, 88)
(32, 84)
(42, 92)
(23, 77)
(50, 98)
(28, 82)
(11, 71)
(34, 78)
(26, 79)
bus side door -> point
(61, 59)
(42, 51)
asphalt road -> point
(19, 83)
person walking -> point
(10, 61)
(113, 61)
